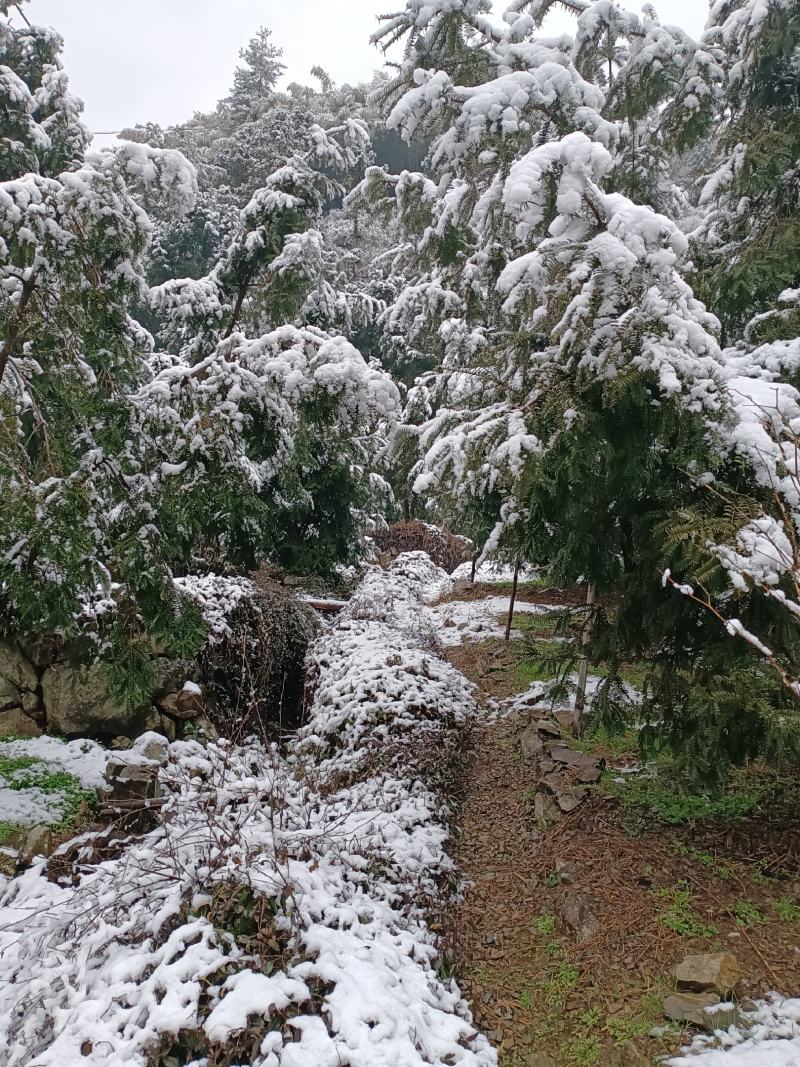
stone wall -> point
(41, 690)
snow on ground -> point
(538, 692)
(457, 621)
(490, 571)
(83, 759)
(24, 802)
(772, 1039)
(346, 835)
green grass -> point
(679, 914)
(530, 671)
(721, 870)
(74, 797)
(787, 910)
(621, 742)
(561, 983)
(747, 914)
(544, 924)
(583, 1050)
(674, 806)
(530, 622)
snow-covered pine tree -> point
(580, 395)
(255, 81)
(557, 308)
(121, 467)
(746, 245)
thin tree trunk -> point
(238, 307)
(8, 345)
(583, 668)
(510, 618)
(474, 568)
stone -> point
(545, 809)
(690, 1007)
(8, 861)
(588, 775)
(720, 1018)
(568, 802)
(578, 760)
(15, 721)
(153, 746)
(36, 841)
(186, 703)
(30, 702)
(539, 1059)
(548, 728)
(16, 675)
(77, 702)
(550, 783)
(578, 911)
(530, 742)
(631, 1056)
(132, 787)
(715, 972)
(205, 728)
(190, 700)
(121, 743)
(567, 871)
(164, 718)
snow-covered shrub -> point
(446, 549)
(382, 699)
(277, 917)
(254, 670)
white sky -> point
(161, 60)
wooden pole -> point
(510, 618)
(583, 668)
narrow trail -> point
(492, 941)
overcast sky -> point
(161, 60)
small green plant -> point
(625, 1029)
(526, 1000)
(680, 916)
(747, 914)
(563, 981)
(544, 924)
(786, 910)
(721, 870)
(675, 807)
(582, 1051)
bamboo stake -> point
(583, 668)
(510, 618)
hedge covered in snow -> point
(277, 915)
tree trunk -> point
(583, 668)
(7, 347)
(510, 618)
(237, 307)
(474, 568)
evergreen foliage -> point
(579, 393)
(122, 465)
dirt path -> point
(550, 992)
(494, 943)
